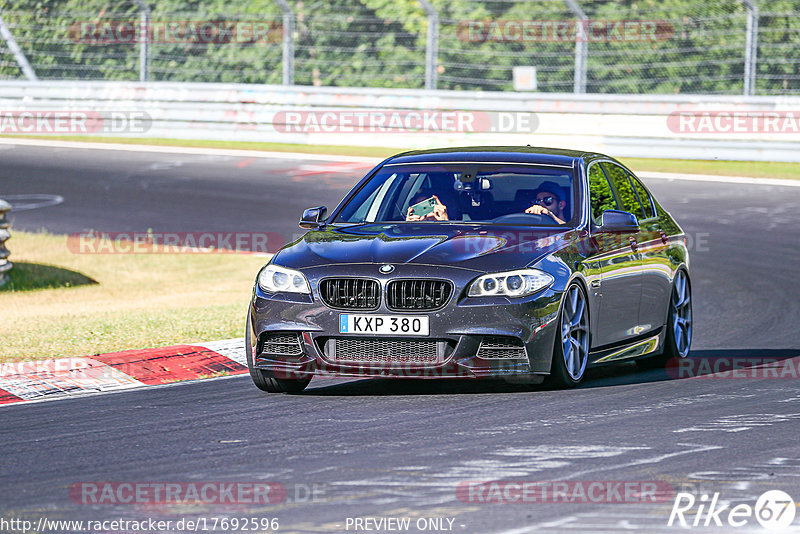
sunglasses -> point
(546, 201)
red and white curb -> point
(63, 377)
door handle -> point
(664, 237)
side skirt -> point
(641, 347)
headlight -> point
(274, 278)
(510, 284)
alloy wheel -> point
(575, 333)
(682, 314)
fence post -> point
(288, 42)
(431, 46)
(581, 46)
(750, 48)
(22, 60)
(5, 234)
(144, 40)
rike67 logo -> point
(774, 510)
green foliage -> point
(626, 196)
(600, 194)
(698, 47)
(55, 38)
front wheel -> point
(266, 380)
(571, 351)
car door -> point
(656, 265)
(619, 285)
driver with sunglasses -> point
(548, 202)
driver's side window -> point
(600, 196)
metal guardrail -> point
(5, 234)
(623, 125)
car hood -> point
(480, 248)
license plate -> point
(395, 325)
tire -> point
(572, 339)
(678, 329)
(266, 380)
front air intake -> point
(383, 351)
(501, 348)
(280, 344)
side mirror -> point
(313, 218)
(616, 221)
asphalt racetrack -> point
(396, 448)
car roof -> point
(515, 154)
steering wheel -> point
(523, 218)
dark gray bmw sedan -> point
(530, 264)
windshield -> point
(488, 193)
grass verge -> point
(755, 169)
(59, 303)
(376, 152)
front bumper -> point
(458, 328)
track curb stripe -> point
(64, 377)
(8, 398)
(173, 364)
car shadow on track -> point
(716, 364)
(701, 364)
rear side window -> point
(600, 195)
(644, 197)
(626, 195)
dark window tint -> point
(495, 190)
(626, 195)
(644, 197)
(600, 193)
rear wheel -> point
(571, 351)
(266, 380)
(679, 324)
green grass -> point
(376, 152)
(59, 303)
(757, 169)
